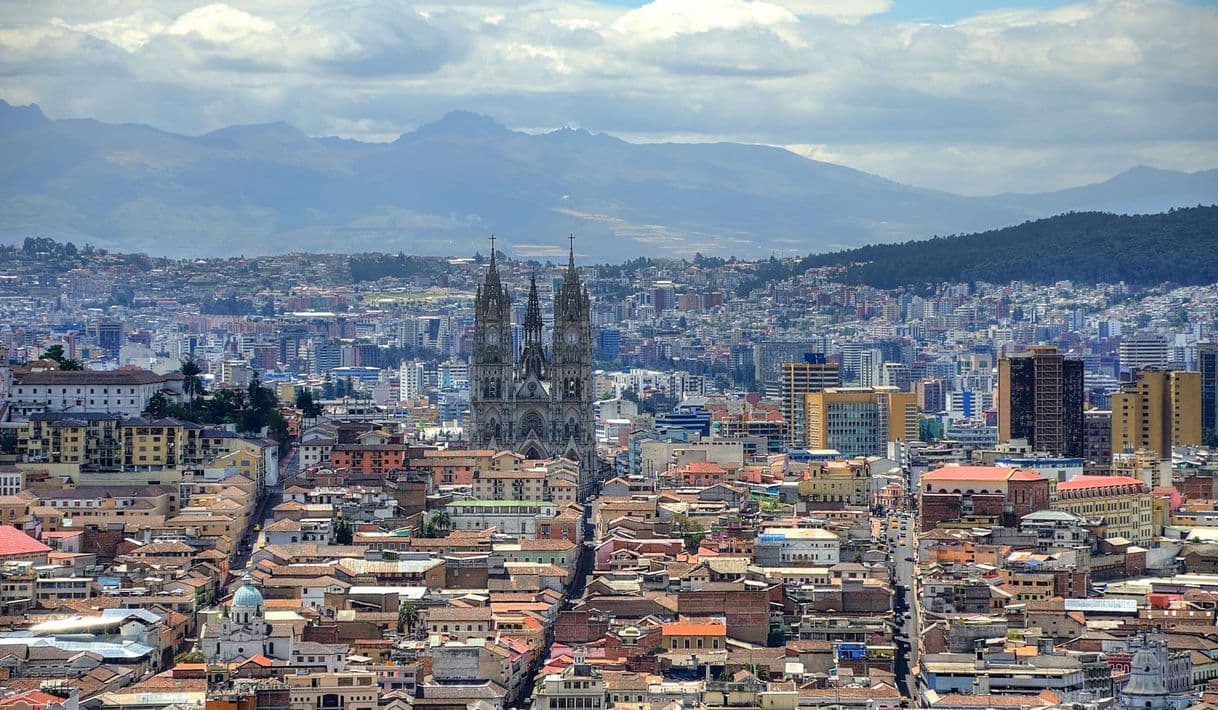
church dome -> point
(1145, 680)
(248, 594)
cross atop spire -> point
(492, 273)
(571, 257)
(491, 297)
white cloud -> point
(128, 31)
(220, 23)
(664, 19)
(1001, 100)
(844, 10)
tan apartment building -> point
(1159, 410)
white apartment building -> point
(124, 392)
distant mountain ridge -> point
(441, 189)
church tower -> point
(534, 427)
(539, 406)
(571, 370)
(491, 363)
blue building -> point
(609, 343)
(691, 417)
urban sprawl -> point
(384, 481)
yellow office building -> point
(1159, 410)
(859, 421)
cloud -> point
(129, 32)
(1025, 99)
(843, 10)
(220, 24)
(664, 19)
(378, 39)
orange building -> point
(703, 474)
(691, 637)
(375, 459)
(454, 468)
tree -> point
(192, 381)
(343, 533)
(55, 352)
(307, 405)
(442, 520)
(689, 530)
(408, 617)
(189, 657)
(8, 441)
(158, 406)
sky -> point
(970, 96)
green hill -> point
(1179, 246)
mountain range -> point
(443, 188)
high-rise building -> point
(410, 381)
(1158, 410)
(1140, 350)
(811, 374)
(325, 355)
(896, 374)
(1207, 363)
(870, 369)
(932, 395)
(768, 357)
(110, 337)
(859, 421)
(541, 404)
(430, 331)
(1097, 439)
(1040, 399)
(408, 333)
(609, 343)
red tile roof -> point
(704, 467)
(688, 628)
(13, 542)
(33, 698)
(1083, 482)
(980, 473)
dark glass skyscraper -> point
(1040, 398)
(1207, 362)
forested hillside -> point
(1179, 246)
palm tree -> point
(408, 616)
(442, 521)
(192, 382)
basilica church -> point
(540, 404)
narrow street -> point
(905, 608)
(573, 593)
(271, 497)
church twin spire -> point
(572, 300)
(492, 299)
(541, 404)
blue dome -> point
(247, 595)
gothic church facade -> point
(539, 405)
